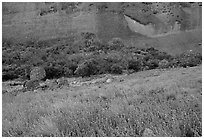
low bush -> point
(116, 69)
(113, 57)
(68, 72)
(163, 64)
(54, 72)
(152, 64)
(86, 68)
(189, 59)
(96, 45)
(10, 75)
(134, 64)
(115, 44)
(9, 72)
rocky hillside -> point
(123, 18)
(133, 22)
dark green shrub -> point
(174, 63)
(153, 53)
(9, 72)
(10, 75)
(83, 70)
(151, 50)
(96, 46)
(10, 57)
(85, 40)
(88, 35)
(102, 65)
(115, 44)
(152, 64)
(134, 64)
(189, 59)
(68, 72)
(87, 68)
(56, 49)
(23, 71)
(148, 57)
(163, 63)
(72, 67)
(77, 58)
(163, 55)
(116, 69)
(54, 72)
(33, 56)
(113, 57)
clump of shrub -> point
(134, 64)
(189, 59)
(115, 44)
(116, 69)
(9, 72)
(152, 63)
(163, 64)
(97, 45)
(68, 72)
(113, 57)
(54, 72)
(86, 68)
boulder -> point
(37, 73)
(109, 80)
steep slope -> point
(152, 20)
(45, 22)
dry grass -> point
(168, 102)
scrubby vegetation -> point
(86, 53)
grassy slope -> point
(47, 27)
(168, 102)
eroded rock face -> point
(176, 19)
